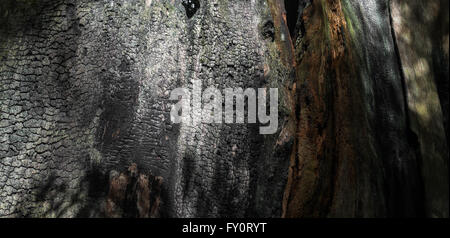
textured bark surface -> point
(85, 124)
(421, 30)
(85, 90)
(360, 152)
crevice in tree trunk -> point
(412, 137)
(292, 10)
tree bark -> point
(85, 127)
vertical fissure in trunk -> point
(292, 11)
(412, 137)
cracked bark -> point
(85, 126)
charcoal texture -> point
(85, 127)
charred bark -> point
(85, 124)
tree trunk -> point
(85, 109)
